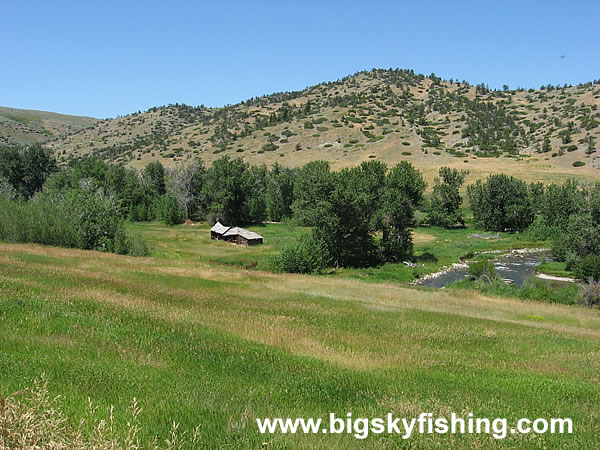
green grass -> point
(193, 243)
(216, 346)
(435, 248)
(555, 268)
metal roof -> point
(219, 228)
(242, 232)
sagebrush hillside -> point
(23, 126)
(385, 114)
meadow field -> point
(434, 248)
(202, 334)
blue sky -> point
(111, 58)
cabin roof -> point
(219, 228)
(242, 232)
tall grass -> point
(32, 418)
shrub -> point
(482, 270)
(406, 153)
(406, 143)
(578, 164)
(78, 219)
(270, 147)
(307, 255)
(590, 294)
(588, 268)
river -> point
(513, 268)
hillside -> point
(23, 126)
(386, 114)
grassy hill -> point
(390, 115)
(23, 126)
(201, 342)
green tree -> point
(279, 194)
(560, 202)
(404, 187)
(312, 190)
(500, 203)
(26, 168)
(154, 178)
(227, 190)
(546, 146)
(446, 200)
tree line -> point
(359, 216)
(568, 214)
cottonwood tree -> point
(500, 203)
(279, 194)
(312, 190)
(185, 184)
(26, 168)
(404, 187)
(446, 200)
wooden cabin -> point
(240, 236)
(218, 230)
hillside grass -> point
(216, 346)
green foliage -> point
(482, 270)
(532, 289)
(270, 147)
(307, 255)
(578, 164)
(490, 126)
(154, 177)
(560, 202)
(500, 203)
(233, 192)
(404, 187)
(26, 168)
(168, 210)
(279, 193)
(82, 219)
(312, 189)
(445, 200)
(588, 268)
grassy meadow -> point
(200, 340)
(435, 247)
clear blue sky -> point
(108, 58)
